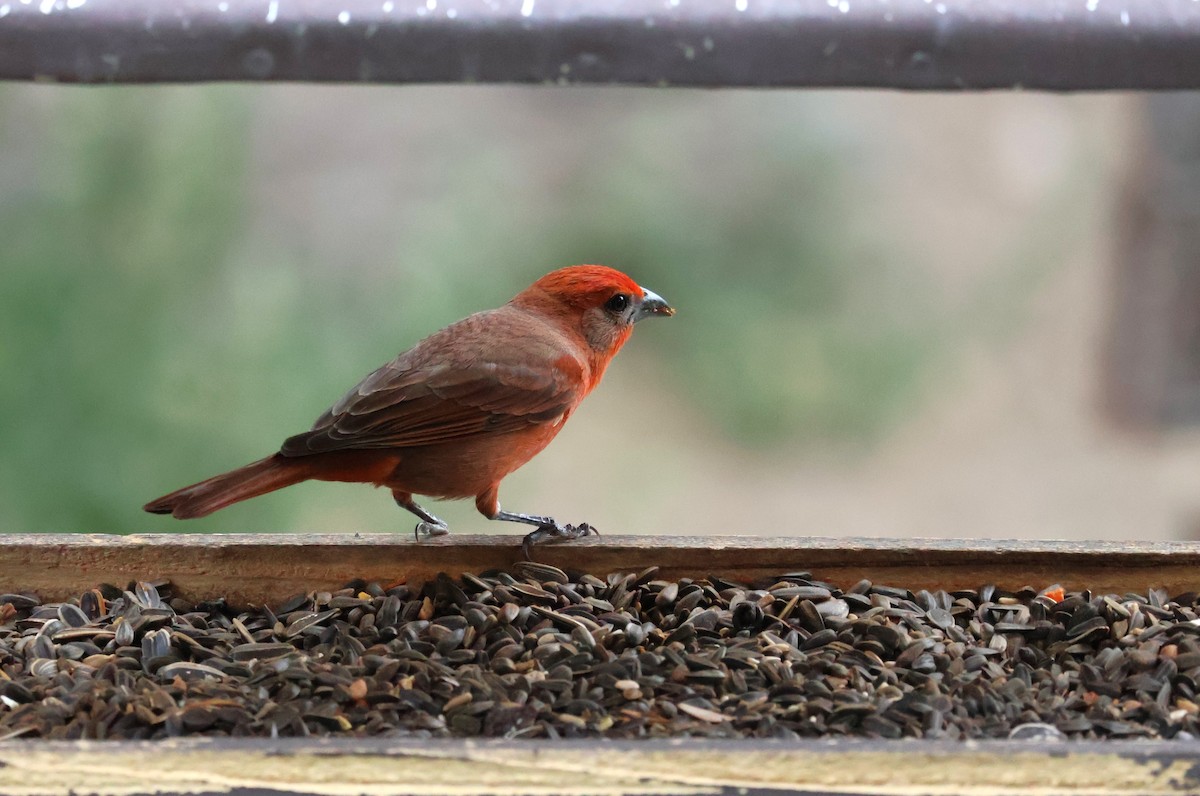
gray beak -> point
(652, 304)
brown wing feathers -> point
(429, 409)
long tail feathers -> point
(258, 478)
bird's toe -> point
(583, 529)
(577, 531)
(555, 533)
(429, 529)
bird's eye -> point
(617, 303)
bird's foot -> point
(554, 531)
(429, 529)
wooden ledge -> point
(258, 568)
(684, 766)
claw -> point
(428, 529)
(533, 538)
(558, 532)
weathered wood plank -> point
(255, 568)
(685, 766)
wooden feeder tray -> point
(256, 570)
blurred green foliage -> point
(783, 348)
(125, 214)
(141, 334)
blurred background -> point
(900, 315)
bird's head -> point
(601, 303)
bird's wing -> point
(404, 405)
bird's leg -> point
(547, 529)
(488, 503)
(528, 519)
(429, 525)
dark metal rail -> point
(910, 44)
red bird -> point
(460, 410)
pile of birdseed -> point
(535, 652)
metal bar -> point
(909, 44)
(265, 568)
(652, 766)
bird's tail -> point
(260, 477)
